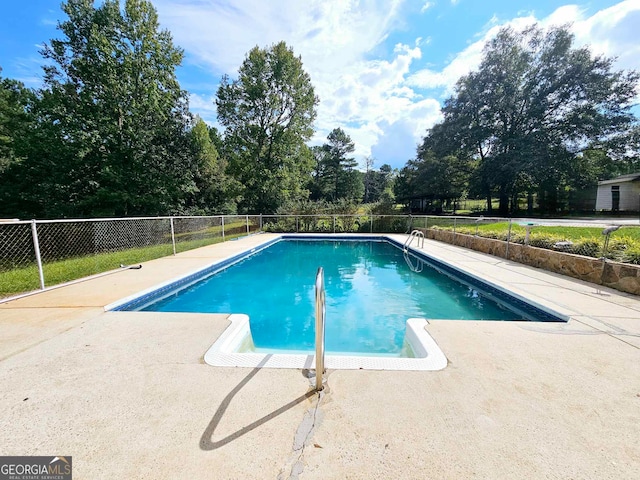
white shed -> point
(619, 194)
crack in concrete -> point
(613, 335)
(302, 438)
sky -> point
(381, 68)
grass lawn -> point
(624, 244)
(567, 233)
(26, 279)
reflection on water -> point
(370, 293)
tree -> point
(623, 151)
(35, 186)
(335, 176)
(368, 179)
(434, 178)
(377, 181)
(532, 106)
(268, 112)
(214, 191)
(319, 186)
(18, 119)
(337, 164)
(351, 186)
(15, 117)
(112, 118)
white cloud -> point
(562, 15)
(612, 32)
(29, 70)
(376, 96)
(48, 22)
(366, 95)
(332, 37)
(465, 61)
(204, 105)
(218, 34)
(426, 6)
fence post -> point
(222, 217)
(371, 223)
(260, 222)
(454, 229)
(508, 240)
(334, 224)
(296, 224)
(173, 236)
(607, 234)
(247, 224)
(36, 248)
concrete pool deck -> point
(128, 395)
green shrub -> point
(281, 226)
(466, 230)
(495, 234)
(517, 238)
(542, 242)
(621, 243)
(632, 255)
(589, 247)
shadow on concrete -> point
(206, 442)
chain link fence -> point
(17, 255)
(38, 254)
(194, 232)
(327, 223)
(16, 246)
(617, 242)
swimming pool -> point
(371, 293)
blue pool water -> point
(370, 293)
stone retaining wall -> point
(621, 276)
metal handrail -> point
(320, 315)
(409, 240)
(418, 267)
(405, 251)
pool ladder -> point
(320, 316)
(415, 234)
(419, 264)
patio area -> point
(127, 394)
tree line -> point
(539, 118)
(110, 132)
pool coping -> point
(489, 288)
(223, 352)
(142, 297)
